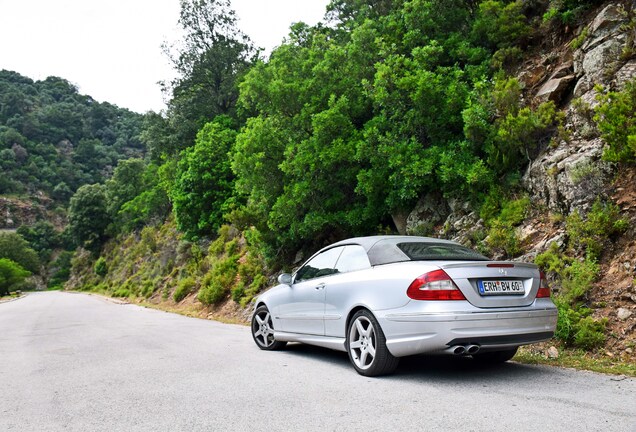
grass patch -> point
(192, 311)
(578, 359)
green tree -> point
(88, 216)
(11, 274)
(500, 24)
(125, 184)
(150, 205)
(204, 182)
(42, 237)
(212, 57)
(14, 247)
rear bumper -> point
(412, 332)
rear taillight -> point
(544, 289)
(435, 285)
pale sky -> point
(111, 49)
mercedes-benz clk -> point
(384, 297)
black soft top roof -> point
(384, 249)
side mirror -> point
(285, 279)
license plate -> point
(500, 287)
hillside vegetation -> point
(53, 139)
(418, 117)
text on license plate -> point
(493, 287)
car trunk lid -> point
(495, 284)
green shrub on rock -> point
(184, 288)
(616, 119)
(100, 267)
(590, 233)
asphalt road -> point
(72, 362)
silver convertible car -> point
(385, 297)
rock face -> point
(16, 212)
(559, 83)
(571, 175)
(601, 50)
(431, 210)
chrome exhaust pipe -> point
(459, 350)
(472, 349)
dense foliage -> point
(11, 275)
(204, 184)
(15, 248)
(53, 139)
(350, 124)
(88, 216)
(617, 122)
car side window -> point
(353, 258)
(319, 266)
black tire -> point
(263, 330)
(495, 357)
(366, 346)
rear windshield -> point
(439, 251)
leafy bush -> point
(222, 277)
(575, 276)
(591, 234)
(586, 172)
(502, 237)
(577, 279)
(578, 41)
(148, 288)
(100, 267)
(568, 12)
(514, 212)
(519, 135)
(551, 260)
(577, 328)
(616, 119)
(60, 269)
(212, 292)
(88, 216)
(590, 333)
(238, 292)
(491, 205)
(500, 23)
(121, 292)
(184, 288)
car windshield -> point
(439, 251)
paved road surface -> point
(72, 362)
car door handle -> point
(320, 286)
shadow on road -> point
(429, 368)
